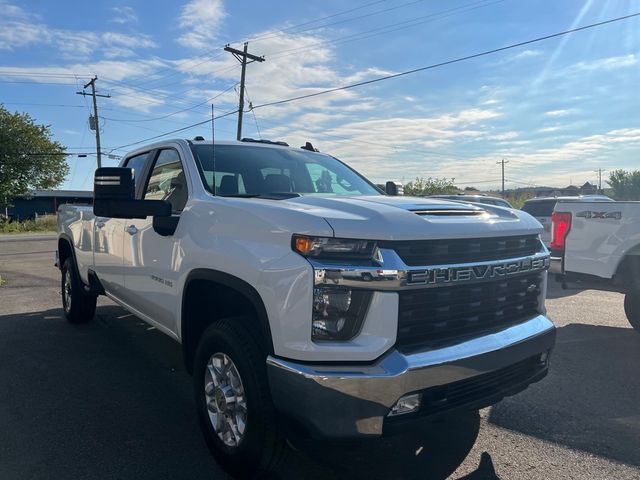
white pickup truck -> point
(597, 245)
(302, 294)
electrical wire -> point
(174, 131)
(400, 74)
(207, 101)
(449, 62)
(388, 28)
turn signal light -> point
(560, 227)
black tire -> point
(632, 309)
(263, 446)
(78, 306)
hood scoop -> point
(448, 212)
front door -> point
(109, 237)
(151, 261)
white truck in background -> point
(597, 245)
(301, 292)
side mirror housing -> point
(393, 188)
(114, 195)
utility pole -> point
(599, 172)
(95, 125)
(242, 56)
(502, 162)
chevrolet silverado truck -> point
(597, 245)
(303, 295)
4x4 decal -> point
(590, 214)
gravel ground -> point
(112, 400)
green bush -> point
(47, 223)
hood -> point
(410, 218)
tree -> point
(29, 158)
(430, 186)
(625, 184)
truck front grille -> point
(464, 250)
(450, 314)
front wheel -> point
(234, 405)
(632, 309)
(78, 306)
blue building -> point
(45, 202)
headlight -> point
(329, 247)
(338, 313)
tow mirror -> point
(114, 193)
(393, 188)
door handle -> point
(132, 230)
(100, 224)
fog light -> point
(406, 404)
(544, 358)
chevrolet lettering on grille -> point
(476, 273)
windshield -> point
(542, 208)
(245, 170)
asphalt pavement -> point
(111, 399)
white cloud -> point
(527, 54)
(124, 15)
(606, 64)
(550, 129)
(559, 113)
(20, 29)
(200, 21)
(504, 136)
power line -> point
(390, 27)
(207, 101)
(37, 83)
(208, 56)
(255, 119)
(408, 72)
(449, 62)
(359, 17)
(175, 131)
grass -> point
(2, 281)
(45, 223)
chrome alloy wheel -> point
(66, 291)
(226, 402)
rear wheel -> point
(632, 308)
(234, 405)
(78, 306)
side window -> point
(167, 181)
(137, 163)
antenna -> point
(213, 149)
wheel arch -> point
(628, 269)
(65, 250)
(240, 299)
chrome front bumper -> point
(355, 400)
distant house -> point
(588, 189)
(45, 202)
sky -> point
(556, 110)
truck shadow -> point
(433, 451)
(589, 401)
(555, 290)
